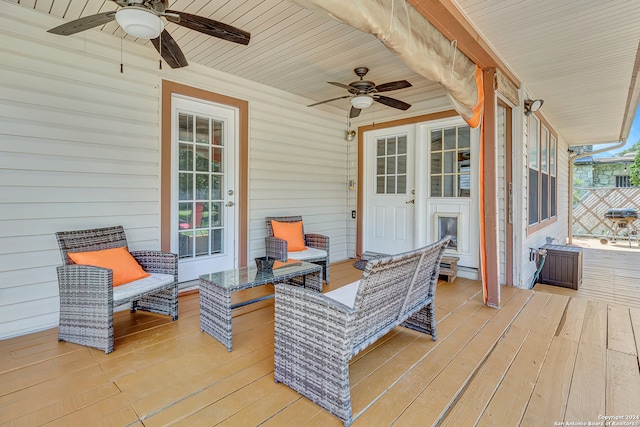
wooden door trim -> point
(170, 88)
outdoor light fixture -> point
(532, 105)
(140, 22)
(361, 101)
(349, 135)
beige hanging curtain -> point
(417, 43)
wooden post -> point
(490, 197)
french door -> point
(203, 214)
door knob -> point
(411, 201)
(229, 204)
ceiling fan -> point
(141, 19)
(364, 92)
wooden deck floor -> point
(610, 273)
(540, 359)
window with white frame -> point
(542, 171)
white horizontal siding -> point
(80, 148)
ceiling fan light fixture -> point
(139, 22)
(361, 101)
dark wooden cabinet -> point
(562, 266)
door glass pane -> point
(464, 185)
(391, 146)
(381, 148)
(217, 136)
(381, 166)
(380, 185)
(436, 186)
(185, 127)
(216, 214)
(185, 215)
(402, 144)
(185, 157)
(436, 163)
(449, 186)
(450, 138)
(436, 140)
(391, 165)
(402, 164)
(391, 185)
(216, 241)
(216, 160)
(202, 242)
(464, 137)
(202, 130)
(216, 187)
(185, 244)
(185, 184)
(200, 186)
(202, 158)
(451, 162)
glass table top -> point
(248, 277)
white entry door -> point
(203, 214)
(389, 196)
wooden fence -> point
(590, 205)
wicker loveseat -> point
(317, 251)
(317, 334)
(87, 294)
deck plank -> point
(620, 331)
(481, 388)
(521, 377)
(548, 400)
(586, 400)
(623, 384)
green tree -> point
(635, 148)
(634, 176)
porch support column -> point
(490, 191)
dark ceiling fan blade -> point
(347, 87)
(385, 87)
(328, 100)
(391, 102)
(171, 52)
(210, 27)
(82, 24)
(355, 112)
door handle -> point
(411, 201)
(229, 204)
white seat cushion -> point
(309, 253)
(141, 286)
(346, 294)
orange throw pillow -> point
(291, 232)
(125, 267)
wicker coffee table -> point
(216, 288)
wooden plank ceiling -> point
(579, 56)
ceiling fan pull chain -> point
(160, 60)
(121, 63)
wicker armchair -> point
(87, 295)
(318, 252)
(317, 334)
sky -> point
(634, 136)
